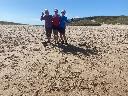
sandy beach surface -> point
(94, 63)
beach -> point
(94, 63)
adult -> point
(63, 21)
(48, 24)
(56, 23)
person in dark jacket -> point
(48, 24)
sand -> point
(95, 63)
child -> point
(56, 23)
(63, 21)
(48, 24)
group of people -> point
(55, 24)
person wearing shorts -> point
(48, 24)
(63, 21)
(56, 23)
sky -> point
(29, 11)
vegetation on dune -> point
(87, 21)
(99, 20)
(10, 23)
(84, 23)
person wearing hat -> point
(56, 23)
(63, 21)
(48, 23)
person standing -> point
(56, 23)
(48, 24)
(63, 21)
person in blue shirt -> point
(63, 21)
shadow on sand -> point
(81, 49)
(78, 50)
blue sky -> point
(29, 11)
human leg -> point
(62, 35)
(55, 31)
(48, 34)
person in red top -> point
(55, 25)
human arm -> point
(42, 17)
(67, 20)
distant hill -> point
(10, 23)
(87, 21)
(99, 20)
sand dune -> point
(95, 63)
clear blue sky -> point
(29, 11)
